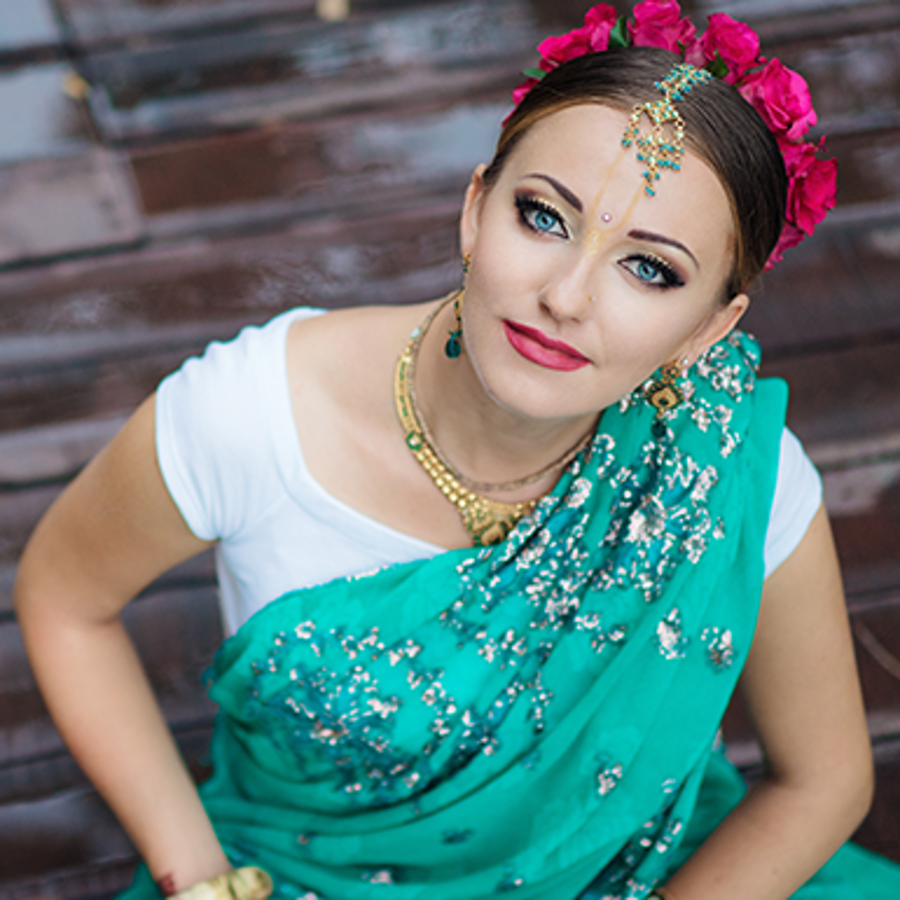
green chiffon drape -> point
(538, 717)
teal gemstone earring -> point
(453, 347)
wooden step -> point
(880, 831)
(61, 193)
(842, 393)
(833, 292)
(97, 23)
(28, 29)
(67, 844)
(365, 164)
(277, 71)
(778, 23)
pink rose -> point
(812, 191)
(561, 48)
(781, 97)
(736, 43)
(790, 237)
(592, 37)
(600, 19)
(693, 54)
(658, 23)
(521, 91)
(812, 185)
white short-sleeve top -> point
(231, 458)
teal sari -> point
(538, 717)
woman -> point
(524, 694)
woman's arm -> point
(803, 695)
(110, 533)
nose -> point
(571, 294)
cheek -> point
(501, 280)
(637, 334)
(497, 260)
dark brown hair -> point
(723, 129)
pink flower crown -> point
(730, 51)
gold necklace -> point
(487, 521)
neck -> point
(485, 440)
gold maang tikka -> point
(655, 150)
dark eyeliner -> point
(526, 204)
(669, 274)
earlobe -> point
(718, 326)
(469, 221)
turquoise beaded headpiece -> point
(655, 150)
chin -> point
(540, 394)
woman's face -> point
(581, 285)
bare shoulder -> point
(359, 336)
(346, 357)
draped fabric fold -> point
(537, 717)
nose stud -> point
(606, 217)
(592, 298)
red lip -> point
(536, 347)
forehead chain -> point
(656, 150)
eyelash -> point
(671, 278)
(528, 206)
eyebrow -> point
(560, 189)
(662, 239)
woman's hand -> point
(110, 533)
(802, 691)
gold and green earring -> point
(453, 347)
(664, 393)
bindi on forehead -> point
(602, 225)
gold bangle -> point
(248, 883)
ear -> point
(471, 212)
(719, 325)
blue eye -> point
(544, 221)
(647, 271)
(540, 217)
(652, 271)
